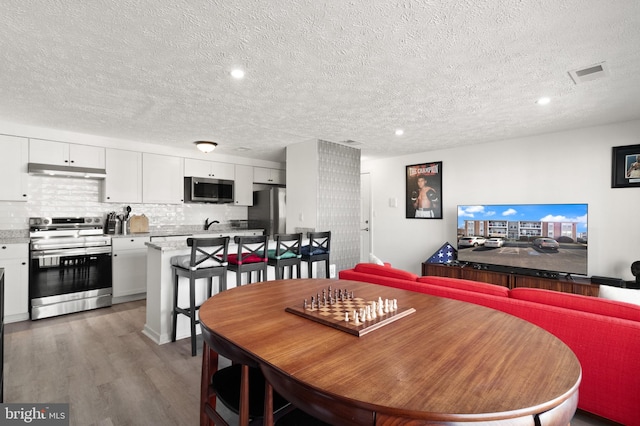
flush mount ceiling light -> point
(206, 146)
(399, 132)
(543, 101)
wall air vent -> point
(589, 73)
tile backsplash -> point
(57, 196)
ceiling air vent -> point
(592, 72)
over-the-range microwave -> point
(205, 190)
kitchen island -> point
(158, 324)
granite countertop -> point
(186, 230)
(182, 244)
(17, 236)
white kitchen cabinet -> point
(270, 176)
(13, 168)
(162, 179)
(208, 169)
(243, 186)
(14, 258)
(129, 270)
(66, 154)
(123, 183)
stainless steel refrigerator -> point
(269, 211)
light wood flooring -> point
(108, 371)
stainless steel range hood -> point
(66, 171)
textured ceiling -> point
(448, 73)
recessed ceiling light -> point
(543, 101)
(237, 73)
(399, 132)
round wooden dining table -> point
(448, 362)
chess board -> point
(333, 315)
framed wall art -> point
(424, 191)
(625, 167)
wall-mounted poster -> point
(424, 191)
(626, 166)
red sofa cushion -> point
(384, 271)
(233, 259)
(468, 285)
(577, 302)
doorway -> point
(365, 216)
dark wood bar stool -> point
(286, 254)
(241, 387)
(251, 257)
(315, 404)
(317, 251)
(208, 259)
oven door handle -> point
(83, 251)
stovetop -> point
(62, 232)
(53, 223)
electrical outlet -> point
(332, 271)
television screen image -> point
(539, 237)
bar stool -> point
(208, 259)
(286, 254)
(251, 257)
(317, 250)
(314, 403)
(240, 387)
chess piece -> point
(635, 270)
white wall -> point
(564, 167)
(302, 191)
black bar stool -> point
(317, 250)
(208, 259)
(251, 257)
(286, 254)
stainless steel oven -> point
(70, 265)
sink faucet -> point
(208, 224)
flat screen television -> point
(524, 238)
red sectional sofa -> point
(604, 334)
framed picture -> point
(424, 191)
(625, 168)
